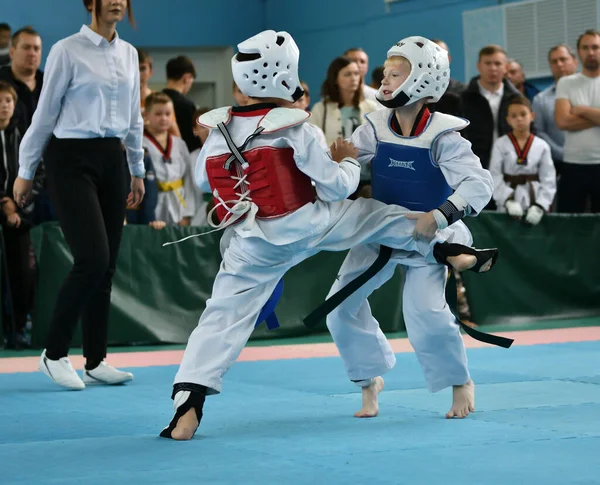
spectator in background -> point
(24, 74)
(515, 74)
(27, 79)
(5, 33)
(145, 91)
(563, 62)
(577, 112)
(343, 107)
(181, 74)
(240, 98)
(522, 168)
(170, 159)
(485, 101)
(16, 223)
(145, 63)
(376, 77)
(356, 54)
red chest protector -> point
(272, 179)
(265, 175)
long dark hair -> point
(88, 6)
(330, 90)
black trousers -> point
(87, 188)
(576, 184)
(21, 276)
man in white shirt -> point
(356, 54)
(577, 111)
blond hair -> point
(399, 59)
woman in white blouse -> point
(89, 106)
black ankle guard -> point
(188, 386)
(442, 251)
(195, 400)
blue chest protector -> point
(403, 170)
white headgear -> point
(429, 74)
(266, 66)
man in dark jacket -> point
(24, 74)
(484, 102)
(515, 74)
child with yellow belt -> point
(170, 158)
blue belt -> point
(267, 314)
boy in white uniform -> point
(418, 161)
(170, 158)
(522, 167)
(260, 162)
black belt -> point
(336, 300)
(488, 338)
(383, 258)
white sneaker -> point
(61, 371)
(106, 374)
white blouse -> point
(91, 90)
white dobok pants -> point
(251, 268)
(431, 327)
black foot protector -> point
(444, 250)
(195, 399)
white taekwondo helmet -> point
(266, 66)
(429, 74)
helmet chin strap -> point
(298, 93)
(400, 100)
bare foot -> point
(462, 262)
(463, 400)
(186, 426)
(370, 401)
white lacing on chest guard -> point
(236, 208)
(240, 206)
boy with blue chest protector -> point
(418, 161)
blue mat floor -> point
(290, 422)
